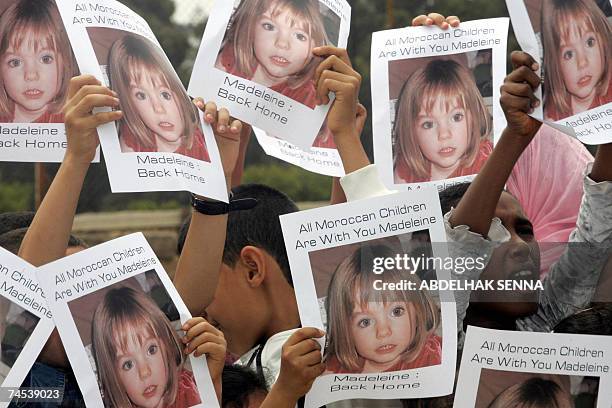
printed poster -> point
(256, 60)
(572, 41)
(25, 322)
(435, 101)
(119, 317)
(511, 368)
(161, 143)
(37, 64)
(365, 272)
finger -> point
(453, 21)
(314, 371)
(312, 358)
(521, 90)
(421, 20)
(524, 74)
(336, 76)
(303, 334)
(236, 126)
(88, 103)
(439, 20)
(335, 63)
(341, 89)
(210, 112)
(90, 90)
(513, 103)
(100, 118)
(198, 329)
(194, 320)
(305, 347)
(520, 58)
(223, 118)
(79, 81)
(199, 102)
(204, 339)
(329, 50)
(209, 349)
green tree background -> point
(181, 43)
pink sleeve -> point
(547, 181)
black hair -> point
(238, 384)
(596, 320)
(259, 226)
(14, 220)
(11, 240)
(450, 196)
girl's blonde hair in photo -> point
(559, 17)
(38, 22)
(353, 285)
(440, 78)
(533, 393)
(125, 314)
(241, 33)
(132, 58)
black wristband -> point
(219, 207)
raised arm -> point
(47, 238)
(198, 267)
(477, 207)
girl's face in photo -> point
(142, 371)
(282, 47)
(157, 106)
(581, 62)
(31, 76)
(382, 332)
(442, 136)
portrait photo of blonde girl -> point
(371, 330)
(576, 44)
(270, 42)
(130, 331)
(36, 62)
(158, 114)
(442, 122)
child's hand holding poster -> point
(37, 64)
(502, 369)
(119, 317)
(388, 335)
(161, 143)
(573, 40)
(25, 325)
(435, 99)
(256, 59)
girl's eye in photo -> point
(398, 311)
(458, 117)
(47, 59)
(14, 62)
(152, 350)
(568, 55)
(140, 95)
(267, 26)
(591, 42)
(167, 95)
(301, 37)
(428, 124)
(363, 323)
(127, 365)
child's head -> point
(155, 104)
(440, 119)
(138, 353)
(376, 328)
(577, 41)
(37, 61)
(534, 393)
(277, 37)
(242, 387)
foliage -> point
(299, 184)
(15, 196)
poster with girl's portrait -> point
(25, 324)
(502, 369)
(161, 143)
(572, 41)
(256, 59)
(120, 318)
(365, 272)
(436, 101)
(37, 63)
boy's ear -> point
(253, 260)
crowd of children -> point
(257, 352)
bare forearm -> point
(351, 151)
(47, 238)
(197, 272)
(477, 207)
(245, 137)
(278, 399)
(337, 193)
(602, 168)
